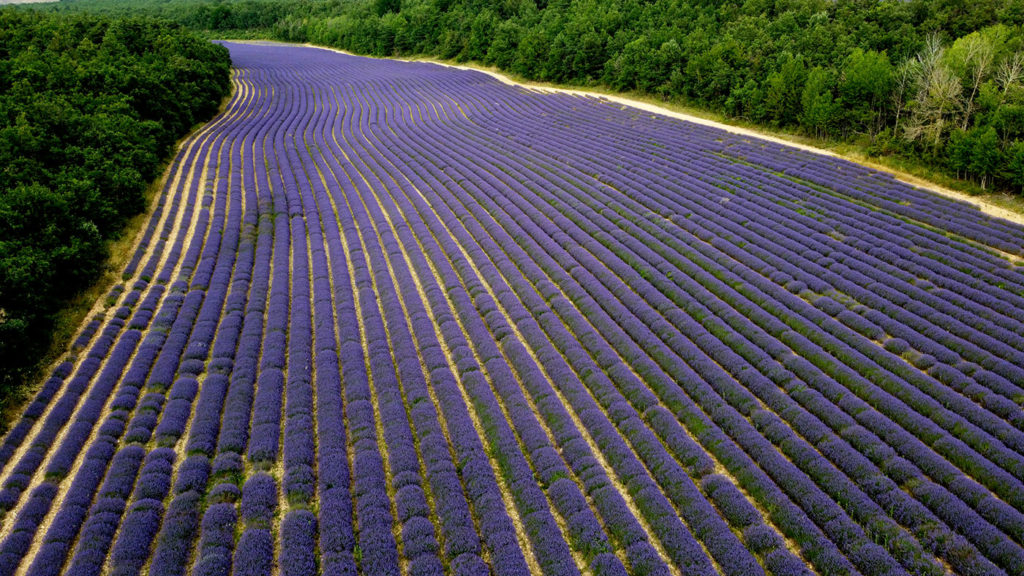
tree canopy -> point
(89, 109)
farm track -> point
(398, 318)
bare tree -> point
(903, 84)
(939, 96)
(912, 77)
(978, 55)
(1010, 71)
(931, 56)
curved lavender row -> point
(378, 546)
(139, 427)
(254, 551)
(229, 370)
(213, 446)
(76, 500)
(297, 529)
(451, 514)
(551, 551)
(577, 517)
(548, 468)
(482, 489)
(725, 558)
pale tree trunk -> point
(904, 82)
(978, 61)
(1009, 72)
(938, 96)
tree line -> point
(939, 81)
(90, 108)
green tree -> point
(1014, 172)
(1008, 120)
(636, 68)
(784, 90)
(958, 152)
(502, 49)
(972, 59)
(817, 102)
(865, 87)
(938, 97)
(985, 154)
(383, 7)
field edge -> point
(75, 315)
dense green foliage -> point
(89, 109)
(936, 80)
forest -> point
(90, 108)
(935, 81)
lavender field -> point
(398, 318)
